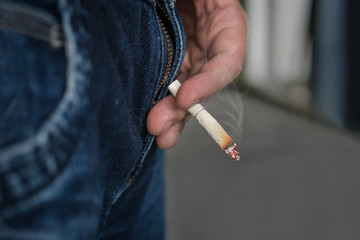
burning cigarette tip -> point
(211, 125)
(232, 152)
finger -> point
(163, 115)
(215, 75)
(226, 51)
(169, 138)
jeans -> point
(76, 160)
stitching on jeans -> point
(150, 138)
(179, 46)
(30, 21)
(162, 53)
(181, 43)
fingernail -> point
(194, 103)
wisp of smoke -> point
(227, 107)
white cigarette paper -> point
(210, 124)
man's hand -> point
(215, 49)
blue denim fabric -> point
(76, 160)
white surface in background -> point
(277, 44)
(257, 67)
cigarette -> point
(210, 124)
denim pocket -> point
(43, 102)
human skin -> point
(215, 48)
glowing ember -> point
(232, 152)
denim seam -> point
(30, 21)
(179, 45)
(149, 139)
(36, 154)
(162, 57)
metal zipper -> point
(164, 22)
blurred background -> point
(298, 177)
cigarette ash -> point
(232, 152)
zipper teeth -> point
(170, 50)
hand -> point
(215, 49)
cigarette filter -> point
(211, 125)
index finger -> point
(226, 54)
